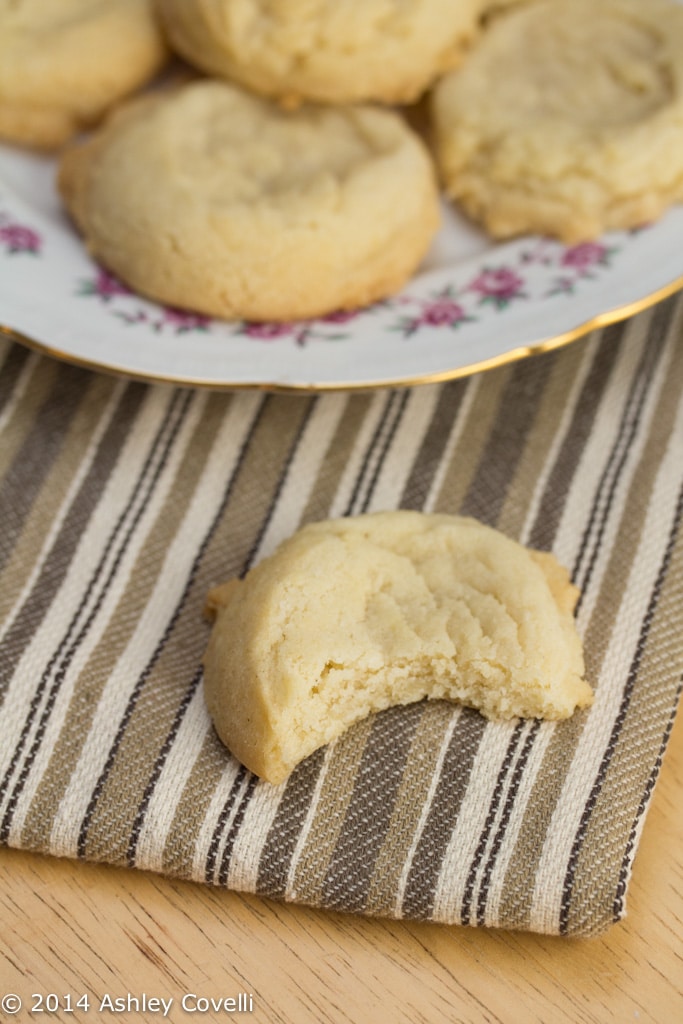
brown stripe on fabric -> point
(192, 808)
(85, 615)
(563, 371)
(411, 797)
(40, 444)
(31, 392)
(562, 476)
(515, 414)
(618, 907)
(246, 506)
(428, 461)
(454, 778)
(579, 915)
(117, 632)
(466, 454)
(515, 907)
(58, 478)
(335, 792)
(370, 807)
(283, 835)
(336, 457)
(12, 367)
(52, 573)
(158, 768)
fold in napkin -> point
(121, 504)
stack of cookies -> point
(283, 182)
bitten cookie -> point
(567, 118)
(64, 62)
(215, 200)
(359, 50)
(353, 615)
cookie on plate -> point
(354, 615)
(64, 62)
(359, 50)
(209, 198)
(567, 118)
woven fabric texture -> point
(122, 503)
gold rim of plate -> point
(513, 355)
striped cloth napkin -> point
(122, 503)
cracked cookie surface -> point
(323, 50)
(63, 63)
(567, 118)
(355, 615)
(209, 198)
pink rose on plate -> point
(183, 320)
(268, 331)
(442, 312)
(18, 238)
(501, 284)
(107, 286)
(341, 316)
(584, 255)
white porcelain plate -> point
(472, 305)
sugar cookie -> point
(64, 62)
(351, 616)
(359, 50)
(567, 118)
(215, 200)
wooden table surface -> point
(74, 928)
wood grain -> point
(81, 928)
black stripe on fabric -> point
(426, 465)
(70, 649)
(369, 451)
(496, 797)
(454, 776)
(614, 466)
(226, 809)
(402, 401)
(33, 461)
(514, 421)
(135, 693)
(226, 857)
(620, 892)
(510, 797)
(369, 811)
(285, 829)
(562, 476)
(11, 371)
(249, 561)
(158, 768)
(567, 888)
